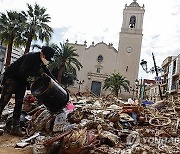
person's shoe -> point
(1, 131)
(16, 131)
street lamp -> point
(155, 69)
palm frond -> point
(115, 82)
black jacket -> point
(29, 64)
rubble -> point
(101, 125)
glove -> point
(43, 75)
(56, 81)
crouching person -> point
(32, 64)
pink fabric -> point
(70, 106)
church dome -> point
(134, 4)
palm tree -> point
(67, 79)
(115, 83)
(36, 26)
(47, 43)
(10, 29)
(65, 59)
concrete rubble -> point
(99, 125)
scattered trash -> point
(100, 125)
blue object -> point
(134, 116)
(145, 103)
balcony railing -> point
(166, 61)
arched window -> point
(100, 59)
(132, 22)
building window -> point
(98, 70)
(132, 22)
(174, 67)
(100, 59)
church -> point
(101, 60)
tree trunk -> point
(116, 93)
(9, 51)
(28, 45)
(60, 71)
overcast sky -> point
(101, 20)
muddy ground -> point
(8, 145)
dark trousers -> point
(11, 85)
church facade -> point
(101, 60)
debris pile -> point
(101, 125)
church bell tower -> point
(130, 41)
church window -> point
(100, 59)
(98, 70)
(132, 22)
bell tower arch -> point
(130, 41)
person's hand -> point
(43, 75)
(56, 81)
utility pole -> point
(155, 67)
